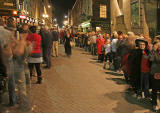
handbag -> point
(157, 76)
(89, 42)
(72, 44)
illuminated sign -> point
(22, 17)
(8, 4)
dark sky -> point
(61, 8)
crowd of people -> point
(137, 56)
(24, 48)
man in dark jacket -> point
(55, 43)
(46, 46)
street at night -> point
(79, 56)
(80, 85)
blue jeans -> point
(11, 83)
(20, 80)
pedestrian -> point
(18, 68)
(47, 46)
(35, 59)
(23, 33)
(93, 43)
(108, 56)
(55, 43)
(114, 49)
(141, 68)
(155, 73)
(6, 42)
(100, 48)
(67, 44)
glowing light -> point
(15, 12)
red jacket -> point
(35, 39)
(100, 43)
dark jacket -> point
(135, 59)
(3, 69)
(155, 68)
(55, 36)
(46, 39)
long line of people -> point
(138, 57)
(23, 50)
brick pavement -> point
(80, 85)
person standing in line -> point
(55, 43)
(100, 48)
(107, 47)
(24, 31)
(47, 46)
(93, 43)
(154, 57)
(67, 44)
(17, 66)
(35, 59)
(114, 49)
(6, 42)
(141, 68)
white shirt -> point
(107, 48)
(114, 45)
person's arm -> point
(19, 48)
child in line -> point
(107, 47)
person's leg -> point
(57, 48)
(146, 85)
(95, 49)
(21, 86)
(44, 54)
(139, 87)
(31, 66)
(49, 57)
(154, 97)
(53, 49)
(39, 73)
(11, 84)
(27, 73)
(105, 61)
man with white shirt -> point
(114, 48)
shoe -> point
(155, 108)
(39, 81)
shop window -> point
(135, 13)
(103, 11)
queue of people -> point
(23, 49)
(138, 57)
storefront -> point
(86, 26)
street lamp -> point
(49, 6)
(65, 22)
(45, 15)
(65, 16)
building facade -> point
(28, 11)
(88, 15)
(139, 16)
